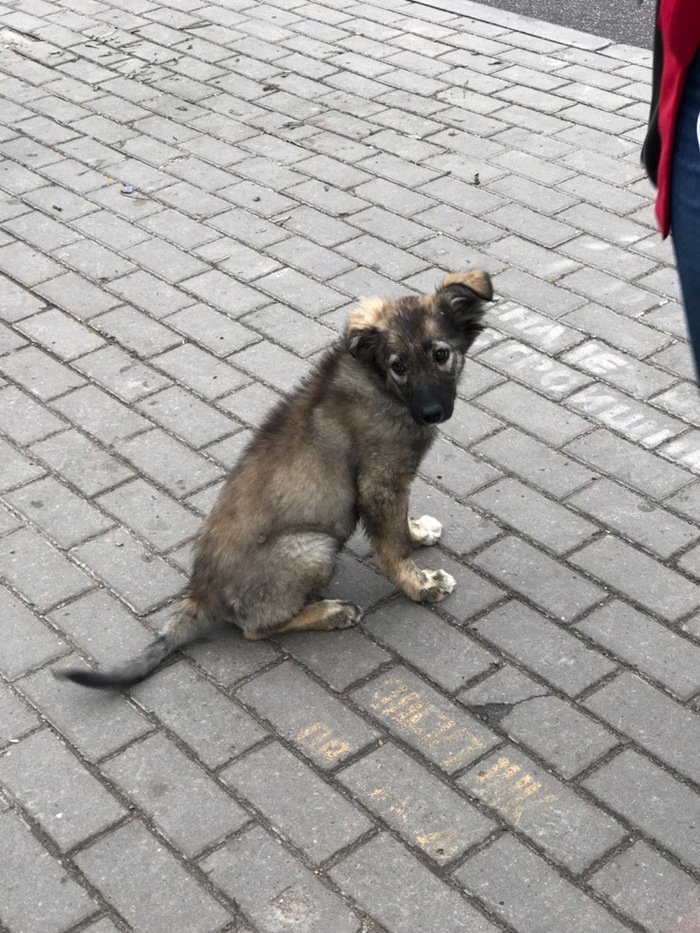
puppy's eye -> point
(441, 355)
(398, 368)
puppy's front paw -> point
(437, 584)
(425, 530)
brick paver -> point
(192, 195)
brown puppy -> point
(343, 447)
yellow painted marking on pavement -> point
(511, 791)
(321, 739)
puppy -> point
(343, 447)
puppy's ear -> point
(461, 297)
(363, 343)
(363, 330)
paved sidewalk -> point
(192, 195)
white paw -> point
(426, 530)
(438, 585)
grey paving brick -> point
(39, 373)
(296, 802)
(424, 719)
(81, 461)
(548, 812)
(132, 870)
(111, 724)
(567, 740)
(621, 370)
(635, 517)
(632, 336)
(60, 334)
(224, 293)
(99, 414)
(463, 529)
(93, 260)
(535, 329)
(530, 572)
(523, 890)
(55, 509)
(28, 642)
(187, 806)
(651, 719)
(186, 416)
(506, 686)
(455, 469)
(41, 231)
(290, 328)
(680, 401)
(136, 331)
(206, 720)
(568, 663)
(684, 450)
(272, 364)
(213, 330)
(317, 724)
(153, 515)
(347, 657)
(638, 468)
(16, 718)
(654, 649)
(425, 902)
(425, 812)
(109, 229)
(199, 371)
(548, 469)
(630, 571)
(100, 625)
(37, 891)
(649, 890)
(534, 414)
(24, 420)
(145, 291)
(57, 791)
(515, 504)
(168, 462)
(533, 368)
(251, 404)
(141, 579)
(16, 302)
(278, 889)
(115, 370)
(445, 654)
(41, 574)
(631, 418)
(357, 582)
(651, 801)
(231, 658)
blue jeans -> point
(685, 203)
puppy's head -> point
(416, 345)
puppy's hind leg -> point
(297, 567)
(324, 616)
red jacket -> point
(676, 41)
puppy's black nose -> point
(433, 414)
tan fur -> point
(343, 447)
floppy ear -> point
(363, 330)
(363, 342)
(461, 296)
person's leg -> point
(685, 203)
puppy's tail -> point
(190, 621)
